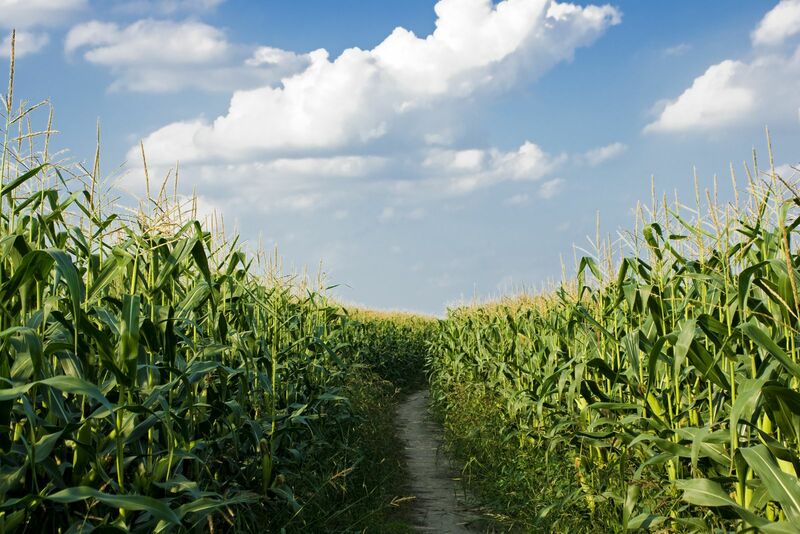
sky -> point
(426, 152)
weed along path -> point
(437, 506)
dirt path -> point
(439, 505)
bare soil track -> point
(439, 499)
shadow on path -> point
(439, 505)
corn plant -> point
(154, 377)
(668, 374)
(393, 344)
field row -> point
(656, 390)
(155, 377)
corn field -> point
(394, 345)
(158, 376)
(663, 380)
(155, 377)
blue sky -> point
(421, 165)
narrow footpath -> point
(439, 505)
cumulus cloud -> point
(456, 161)
(599, 155)
(463, 171)
(306, 184)
(374, 123)
(457, 172)
(360, 95)
(23, 14)
(720, 96)
(162, 55)
(146, 41)
(268, 55)
(760, 90)
(780, 23)
(734, 92)
(25, 43)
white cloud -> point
(357, 97)
(599, 155)
(162, 55)
(463, 171)
(148, 41)
(466, 170)
(722, 95)
(474, 34)
(348, 166)
(267, 55)
(780, 23)
(25, 43)
(470, 160)
(166, 7)
(551, 188)
(22, 14)
(315, 167)
(761, 90)
(284, 184)
(336, 130)
(677, 50)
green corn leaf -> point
(128, 349)
(67, 384)
(154, 507)
(704, 492)
(763, 340)
(745, 278)
(45, 445)
(782, 487)
(21, 179)
(685, 339)
(747, 397)
(589, 262)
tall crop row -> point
(154, 377)
(394, 344)
(664, 382)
